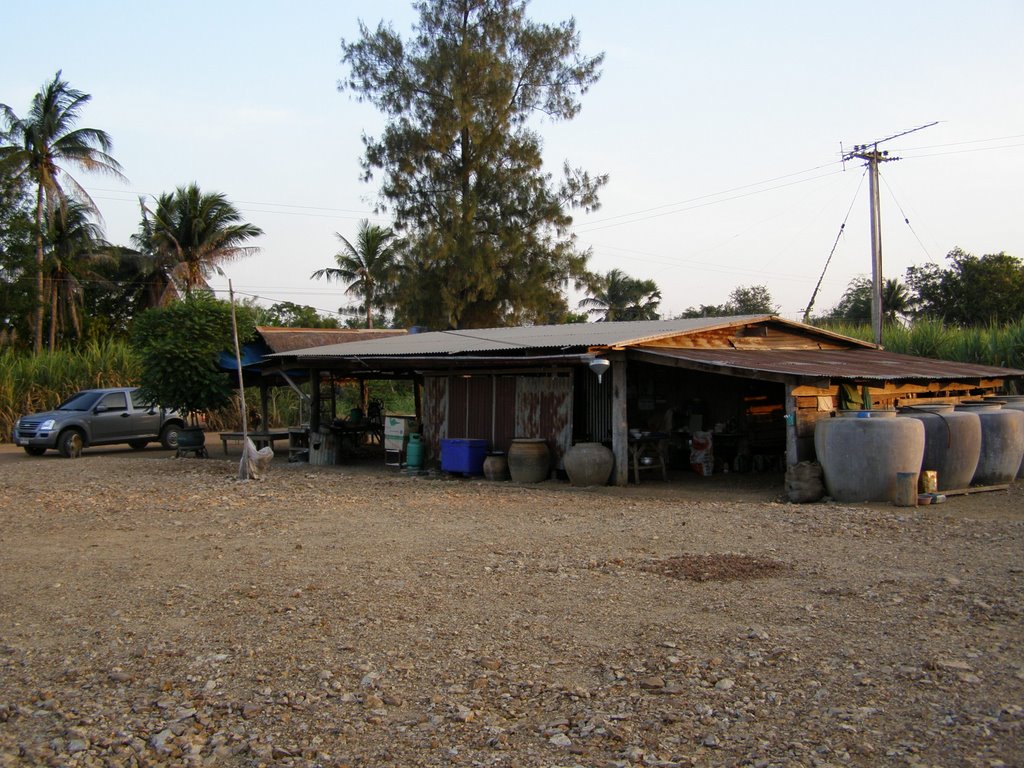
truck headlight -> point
(47, 425)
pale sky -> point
(720, 126)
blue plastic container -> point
(463, 456)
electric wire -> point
(842, 228)
(906, 219)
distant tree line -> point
(969, 291)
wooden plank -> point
(975, 489)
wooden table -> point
(259, 439)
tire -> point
(70, 443)
(137, 445)
(34, 450)
(169, 436)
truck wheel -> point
(70, 444)
(34, 450)
(169, 436)
(137, 445)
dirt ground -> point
(154, 611)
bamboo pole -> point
(243, 466)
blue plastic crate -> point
(463, 456)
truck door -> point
(111, 420)
(145, 417)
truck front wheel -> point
(34, 450)
(70, 444)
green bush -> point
(180, 345)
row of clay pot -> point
(975, 443)
(529, 461)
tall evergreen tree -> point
(462, 174)
(40, 146)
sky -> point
(721, 126)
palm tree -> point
(191, 233)
(76, 246)
(39, 146)
(617, 296)
(896, 299)
(368, 266)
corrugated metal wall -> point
(544, 409)
(504, 412)
(595, 422)
(498, 408)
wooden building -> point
(758, 383)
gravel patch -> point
(154, 611)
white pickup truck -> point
(98, 417)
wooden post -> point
(792, 447)
(314, 400)
(620, 420)
(265, 404)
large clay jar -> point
(861, 452)
(496, 466)
(952, 443)
(1013, 403)
(1002, 441)
(588, 464)
(529, 460)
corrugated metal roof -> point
(836, 363)
(481, 340)
(281, 339)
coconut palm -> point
(189, 234)
(368, 266)
(75, 246)
(896, 300)
(40, 146)
(617, 296)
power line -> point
(584, 228)
(906, 219)
(839, 234)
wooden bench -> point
(259, 439)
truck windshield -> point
(83, 401)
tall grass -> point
(31, 383)
(997, 345)
(39, 382)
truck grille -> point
(29, 427)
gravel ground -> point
(153, 611)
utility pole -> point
(872, 156)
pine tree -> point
(461, 169)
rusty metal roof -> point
(831, 364)
(540, 337)
(281, 339)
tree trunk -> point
(53, 315)
(37, 341)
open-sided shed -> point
(758, 382)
